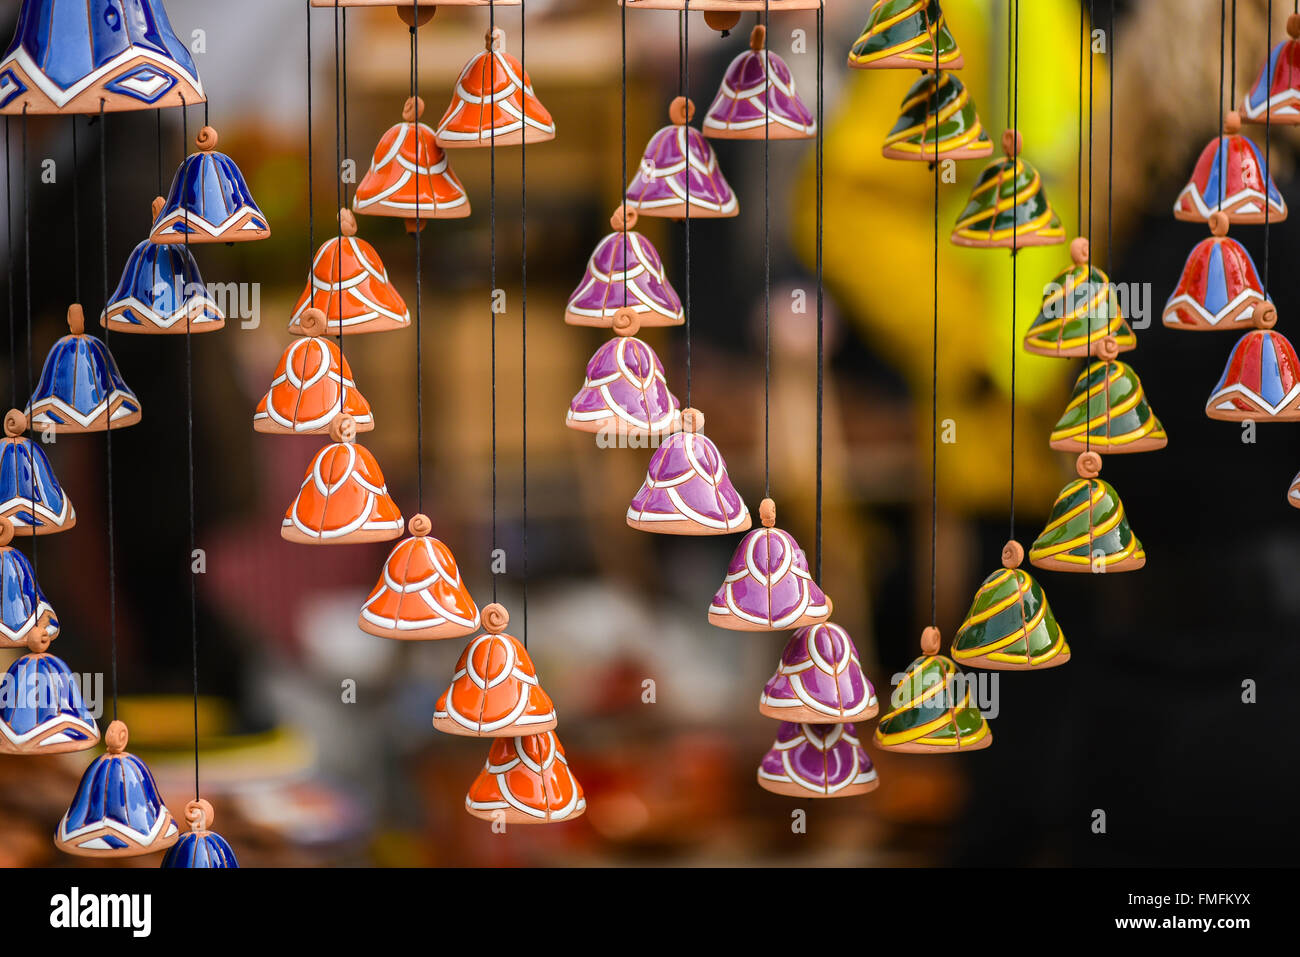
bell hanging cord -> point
(76, 219)
(339, 195)
(1013, 110)
(311, 211)
(492, 264)
(685, 26)
(523, 332)
(767, 265)
(934, 379)
(1268, 143)
(108, 424)
(821, 325)
(9, 267)
(419, 292)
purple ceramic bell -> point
(625, 271)
(687, 490)
(817, 760)
(625, 392)
(678, 161)
(768, 586)
(757, 99)
(819, 679)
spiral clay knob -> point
(198, 815)
(343, 428)
(116, 737)
(207, 139)
(419, 525)
(930, 640)
(495, 618)
(1012, 554)
(1088, 465)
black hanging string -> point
(189, 451)
(686, 94)
(419, 265)
(1078, 166)
(27, 285)
(1232, 72)
(934, 369)
(338, 193)
(1013, 110)
(622, 13)
(108, 423)
(821, 325)
(492, 266)
(76, 218)
(1221, 145)
(1091, 292)
(9, 283)
(1110, 146)
(311, 212)
(158, 119)
(344, 59)
(767, 263)
(523, 305)
(1268, 142)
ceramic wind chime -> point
(723, 15)
(24, 609)
(1275, 97)
(624, 272)
(493, 103)
(410, 176)
(209, 202)
(312, 384)
(161, 292)
(1219, 287)
(931, 708)
(1088, 529)
(1010, 625)
(679, 170)
(420, 595)
(1008, 207)
(1231, 177)
(625, 391)
(200, 847)
(30, 495)
(906, 34)
(937, 121)
(757, 99)
(80, 388)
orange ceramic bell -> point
(420, 596)
(494, 692)
(312, 384)
(494, 104)
(350, 286)
(409, 176)
(343, 499)
(526, 780)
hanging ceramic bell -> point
(1010, 625)
(343, 499)
(493, 103)
(199, 846)
(1219, 287)
(625, 392)
(406, 9)
(1229, 176)
(687, 490)
(117, 810)
(42, 710)
(30, 495)
(161, 287)
(902, 35)
(932, 708)
(24, 610)
(526, 780)
(817, 760)
(625, 272)
(81, 389)
(209, 201)
(1108, 410)
(768, 586)
(1088, 529)
(1293, 493)
(1261, 381)
(1275, 97)
(494, 692)
(349, 286)
(312, 384)
(819, 679)
(679, 166)
(84, 56)
(757, 99)
(420, 595)
(942, 125)
(1008, 207)
(410, 176)
(1079, 310)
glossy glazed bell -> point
(902, 35)
(757, 99)
(1275, 95)
(625, 272)
(1010, 625)
(931, 709)
(349, 286)
(84, 56)
(42, 710)
(209, 201)
(200, 847)
(679, 168)
(1230, 176)
(1219, 287)
(494, 691)
(343, 499)
(24, 609)
(817, 760)
(526, 780)
(937, 121)
(768, 586)
(819, 680)
(410, 176)
(117, 810)
(30, 496)
(81, 389)
(1088, 529)
(420, 595)
(1108, 410)
(160, 289)
(687, 490)
(1080, 309)
(493, 103)
(312, 384)
(625, 392)
(1261, 381)
(1008, 208)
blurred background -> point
(1146, 722)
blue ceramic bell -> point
(81, 56)
(23, 608)
(160, 286)
(42, 710)
(209, 201)
(117, 811)
(30, 495)
(81, 389)
(200, 847)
